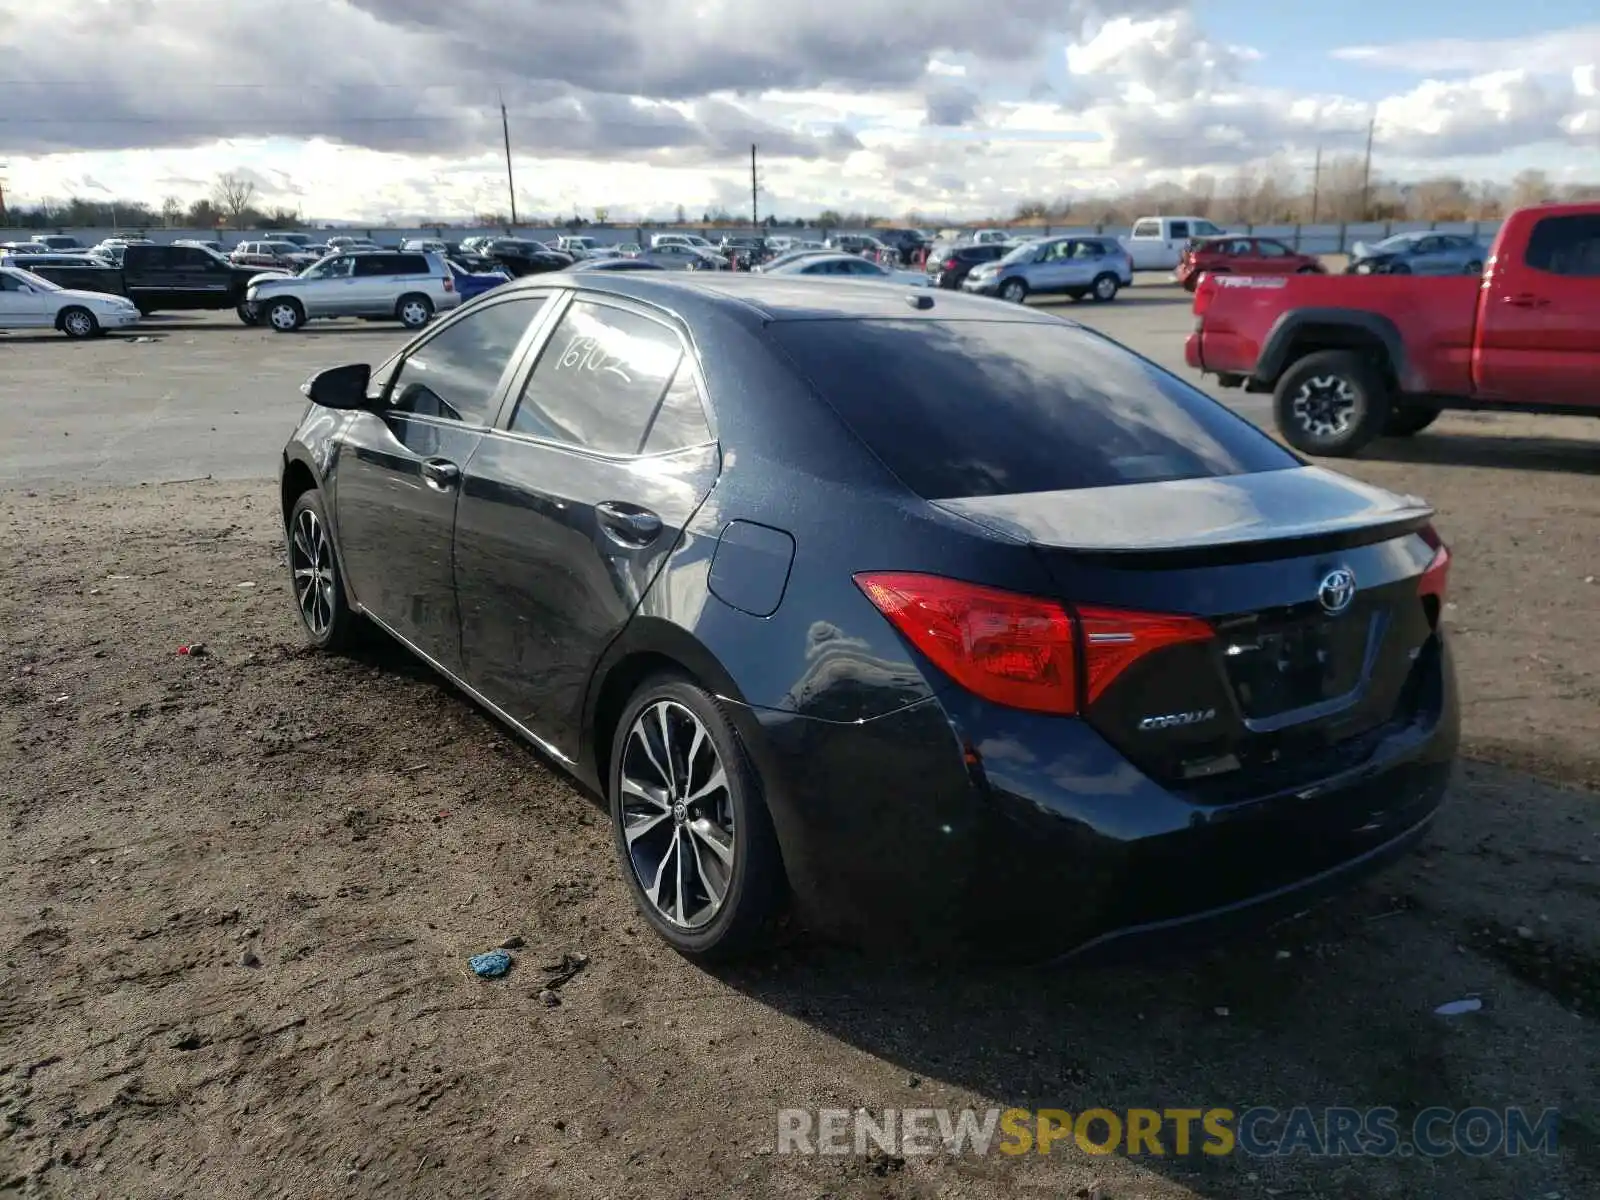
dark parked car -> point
(950, 269)
(76, 272)
(521, 257)
(959, 623)
(183, 277)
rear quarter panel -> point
(1433, 317)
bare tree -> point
(1531, 187)
(171, 210)
(233, 194)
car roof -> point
(766, 298)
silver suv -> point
(403, 286)
(1076, 266)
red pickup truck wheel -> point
(1407, 419)
(1331, 404)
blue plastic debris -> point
(491, 965)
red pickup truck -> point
(1349, 358)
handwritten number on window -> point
(586, 354)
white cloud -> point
(640, 105)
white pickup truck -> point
(1156, 243)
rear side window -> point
(1566, 246)
(600, 380)
(1147, 229)
(989, 408)
(376, 264)
(1180, 229)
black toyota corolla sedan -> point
(956, 623)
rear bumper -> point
(954, 827)
(1193, 351)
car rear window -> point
(986, 408)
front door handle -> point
(441, 473)
(1527, 300)
(628, 524)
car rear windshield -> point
(988, 408)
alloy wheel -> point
(1105, 287)
(284, 317)
(1013, 291)
(413, 313)
(311, 561)
(78, 324)
(1325, 405)
(677, 815)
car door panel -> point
(565, 520)
(21, 307)
(399, 472)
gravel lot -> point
(238, 891)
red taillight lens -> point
(1014, 650)
(951, 264)
(1114, 640)
(449, 284)
(1204, 291)
(1021, 651)
(1436, 577)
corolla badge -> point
(1178, 720)
(1337, 591)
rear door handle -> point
(1527, 300)
(441, 473)
(628, 524)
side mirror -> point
(340, 387)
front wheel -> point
(319, 594)
(1331, 403)
(689, 822)
(78, 323)
(1014, 290)
(285, 316)
(414, 311)
(245, 315)
(1105, 288)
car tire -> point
(1077, 294)
(1331, 403)
(1407, 419)
(145, 310)
(1014, 291)
(315, 581)
(414, 311)
(1104, 288)
(1399, 268)
(245, 316)
(77, 322)
(285, 316)
(723, 838)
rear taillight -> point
(1435, 578)
(1205, 291)
(951, 264)
(449, 284)
(1021, 651)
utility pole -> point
(1366, 172)
(3, 193)
(1316, 184)
(511, 183)
(755, 216)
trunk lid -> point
(1310, 581)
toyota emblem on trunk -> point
(1336, 591)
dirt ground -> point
(238, 892)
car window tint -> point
(598, 380)
(679, 420)
(373, 264)
(1180, 229)
(1566, 245)
(980, 408)
(1146, 229)
(411, 264)
(455, 374)
(1269, 249)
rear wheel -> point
(690, 826)
(77, 323)
(1399, 268)
(245, 315)
(1406, 419)
(1014, 290)
(1331, 403)
(414, 311)
(1105, 288)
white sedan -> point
(846, 266)
(29, 302)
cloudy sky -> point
(367, 109)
